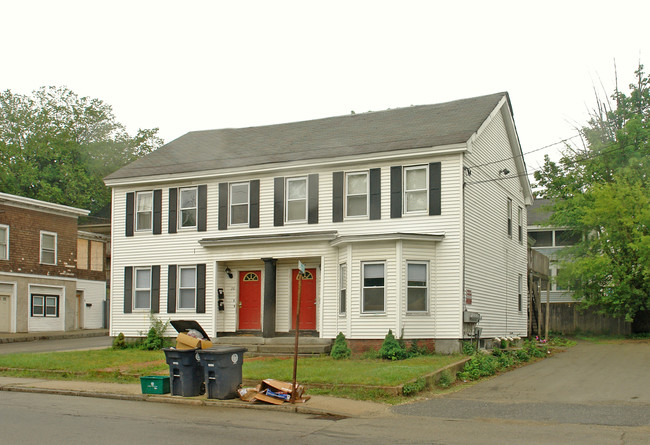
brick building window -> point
(48, 248)
(4, 242)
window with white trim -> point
(373, 287)
(187, 287)
(239, 197)
(343, 286)
(188, 207)
(142, 289)
(48, 248)
(520, 288)
(4, 242)
(356, 194)
(416, 189)
(45, 305)
(417, 287)
(520, 219)
(296, 199)
(510, 217)
(143, 211)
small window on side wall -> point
(48, 248)
(510, 217)
(4, 242)
(343, 280)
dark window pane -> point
(566, 238)
(542, 239)
(373, 300)
(417, 299)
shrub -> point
(415, 349)
(446, 379)
(340, 348)
(469, 348)
(391, 348)
(480, 365)
(371, 354)
(119, 342)
(411, 388)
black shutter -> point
(278, 201)
(155, 289)
(157, 212)
(31, 313)
(375, 193)
(173, 210)
(58, 301)
(128, 289)
(202, 217)
(200, 288)
(396, 192)
(223, 205)
(130, 213)
(312, 199)
(434, 189)
(254, 209)
(337, 197)
(171, 289)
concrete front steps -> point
(277, 346)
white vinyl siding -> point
(48, 248)
(143, 211)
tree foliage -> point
(56, 146)
(602, 191)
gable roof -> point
(334, 137)
(43, 206)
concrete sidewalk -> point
(51, 335)
(317, 405)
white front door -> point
(5, 313)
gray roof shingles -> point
(341, 136)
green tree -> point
(58, 147)
(601, 190)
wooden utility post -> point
(295, 351)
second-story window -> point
(296, 207)
(510, 217)
(356, 194)
(239, 203)
(48, 248)
(4, 242)
(143, 211)
(415, 189)
(520, 219)
(188, 207)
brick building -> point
(42, 287)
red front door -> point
(250, 300)
(307, 299)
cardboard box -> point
(184, 341)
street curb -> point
(62, 336)
(300, 409)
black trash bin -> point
(185, 371)
(222, 367)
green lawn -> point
(127, 365)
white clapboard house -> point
(410, 219)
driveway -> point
(68, 344)
(599, 384)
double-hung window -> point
(48, 248)
(4, 242)
(415, 189)
(142, 290)
(187, 287)
(356, 194)
(188, 207)
(520, 289)
(520, 222)
(417, 287)
(296, 205)
(143, 211)
(374, 288)
(45, 306)
(239, 196)
(343, 285)
(510, 217)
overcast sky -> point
(195, 65)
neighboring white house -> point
(404, 219)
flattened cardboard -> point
(268, 399)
